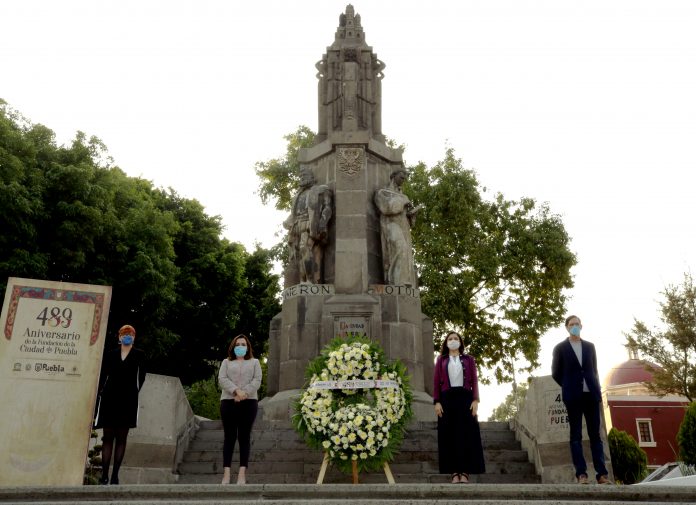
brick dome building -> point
(629, 406)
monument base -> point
(279, 407)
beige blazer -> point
(240, 374)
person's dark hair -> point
(445, 350)
(571, 317)
(230, 349)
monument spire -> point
(350, 263)
(350, 75)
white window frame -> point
(641, 442)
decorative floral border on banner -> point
(39, 293)
(355, 406)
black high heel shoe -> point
(104, 480)
(114, 480)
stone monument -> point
(351, 266)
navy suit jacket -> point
(568, 372)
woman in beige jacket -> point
(240, 379)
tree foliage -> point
(686, 437)
(68, 214)
(629, 461)
(508, 409)
(493, 268)
(280, 176)
(674, 347)
(204, 397)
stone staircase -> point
(279, 456)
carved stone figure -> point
(397, 215)
(308, 227)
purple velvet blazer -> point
(441, 377)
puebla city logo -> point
(45, 367)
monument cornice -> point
(360, 138)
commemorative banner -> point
(50, 357)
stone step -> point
(312, 455)
(423, 435)
(272, 467)
(412, 426)
(297, 444)
(334, 477)
(346, 494)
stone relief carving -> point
(307, 227)
(397, 215)
(350, 160)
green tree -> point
(686, 437)
(509, 408)
(629, 461)
(280, 176)
(674, 347)
(495, 269)
(68, 214)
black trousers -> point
(458, 434)
(588, 407)
(237, 420)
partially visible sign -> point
(556, 413)
(50, 356)
(351, 326)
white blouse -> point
(455, 372)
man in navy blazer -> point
(574, 368)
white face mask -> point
(453, 344)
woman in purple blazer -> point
(456, 399)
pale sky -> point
(587, 105)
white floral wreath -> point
(356, 405)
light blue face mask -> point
(575, 331)
(127, 339)
(240, 350)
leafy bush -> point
(686, 438)
(204, 398)
(629, 461)
(93, 466)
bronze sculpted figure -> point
(307, 227)
(397, 215)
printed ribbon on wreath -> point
(355, 384)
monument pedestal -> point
(313, 315)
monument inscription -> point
(352, 326)
(308, 290)
(556, 412)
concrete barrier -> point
(542, 428)
(166, 424)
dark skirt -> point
(458, 434)
(117, 410)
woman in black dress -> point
(122, 377)
(456, 399)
